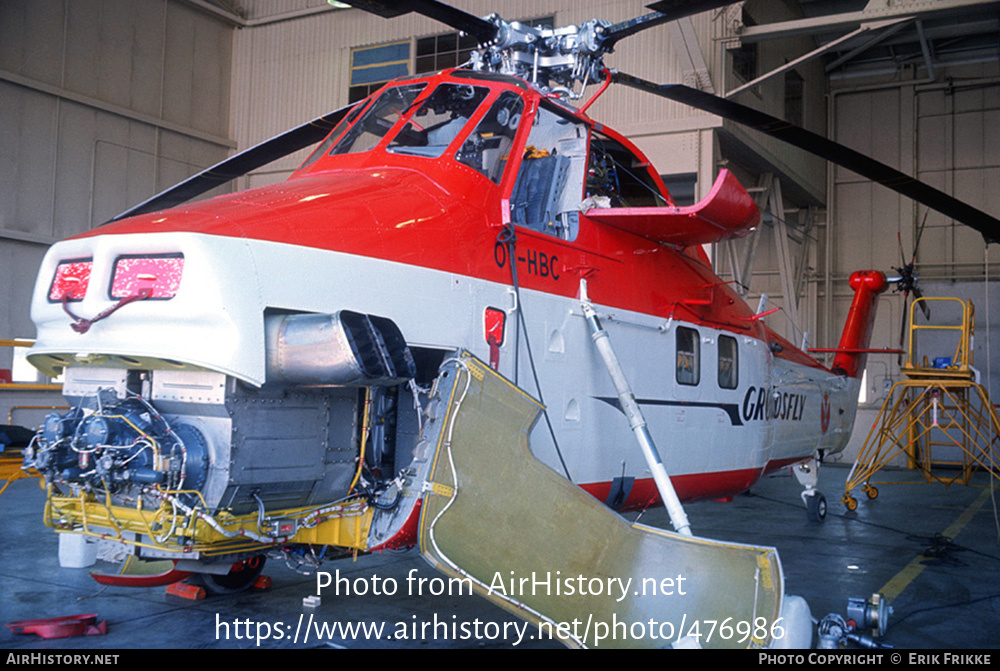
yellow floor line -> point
(901, 580)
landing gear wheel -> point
(816, 507)
(241, 576)
(849, 502)
(872, 492)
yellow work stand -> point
(10, 462)
(938, 404)
(10, 470)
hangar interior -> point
(104, 103)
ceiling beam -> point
(892, 26)
(919, 9)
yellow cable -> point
(364, 438)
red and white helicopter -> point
(252, 365)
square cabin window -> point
(728, 363)
(688, 371)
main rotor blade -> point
(834, 152)
(240, 164)
(664, 11)
(482, 30)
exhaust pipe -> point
(345, 349)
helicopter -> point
(254, 372)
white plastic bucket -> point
(77, 550)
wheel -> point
(241, 576)
(849, 502)
(871, 491)
(816, 507)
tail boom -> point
(852, 353)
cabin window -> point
(688, 345)
(549, 189)
(728, 363)
(381, 116)
(617, 174)
(488, 147)
(438, 120)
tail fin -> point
(852, 352)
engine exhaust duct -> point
(344, 348)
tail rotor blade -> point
(921, 304)
(902, 328)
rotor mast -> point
(559, 61)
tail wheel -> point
(816, 507)
(849, 502)
(241, 576)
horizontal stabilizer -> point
(727, 212)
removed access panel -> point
(547, 551)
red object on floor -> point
(140, 579)
(5, 376)
(262, 582)
(186, 590)
(61, 627)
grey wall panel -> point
(868, 122)
(122, 174)
(197, 70)
(181, 156)
(20, 262)
(74, 171)
(32, 38)
(28, 159)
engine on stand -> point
(192, 463)
(120, 446)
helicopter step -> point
(578, 572)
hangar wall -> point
(102, 103)
(948, 135)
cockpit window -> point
(331, 138)
(488, 147)
(373, 125)
(438, 120)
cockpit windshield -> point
(439, 120)
(432, 121)
(378, 120)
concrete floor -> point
(950, 601)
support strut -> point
(635, 419)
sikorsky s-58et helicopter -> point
(253, 373)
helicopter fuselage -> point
(465, 210)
